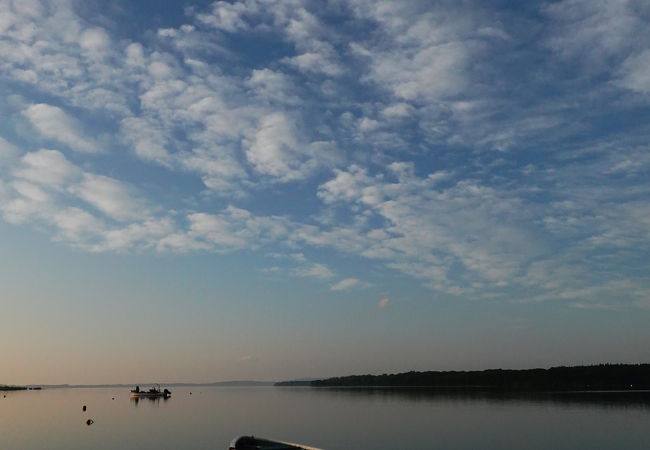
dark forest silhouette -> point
(597, 377)
(4, 387)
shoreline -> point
(601, 377)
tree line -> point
(596, 377)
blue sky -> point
(270, 189)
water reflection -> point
(153, 401)
(595, 399)
(377, 419)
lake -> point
(210, 417)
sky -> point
(276, 189)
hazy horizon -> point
(270, 381)
(268, 190)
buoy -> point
(113, 398)
(89, 422)
(84, 408)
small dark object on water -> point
(89, 422)
(112, 398)
(190, 393)
(84, 408)
(151, 393)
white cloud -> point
(110, 196)
(320, 271)
(278, 151)
(299, 26)
(315, 62)
(367, 124)
(45, 187)
(76, 225)
(38, 180)
(231, 229)
(428, 229)
(635, 73)
(23, 200)
(154, 93)
(346, 185)
(29, 191)
(148, 139)
(431, 84)
(47, 167)
(95, 41)
(219, 171)
(53, 123)
(145, 233)
(397, 110)
(272, 152)
(218, 230)
(227, 16)
(135, 56)
(592, 30)
(273, 86)
(424, 55)
(8, 152)
(345, 284)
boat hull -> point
(149, 395)
(254, 443)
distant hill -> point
(216, 383)
(597, 377)
(302, 382)
(242, 383)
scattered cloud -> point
(320, 271)
(45, 187)
(315, 62)
(95, 41)
(8, 151)
(277, 151)
(109, 196)
(440, 142)
(53, 123)
(48, 168)
(635, 73)
(345, 284)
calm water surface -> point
(332, 419)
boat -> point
(256, 443)
(151, 393)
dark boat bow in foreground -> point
(253, 443)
